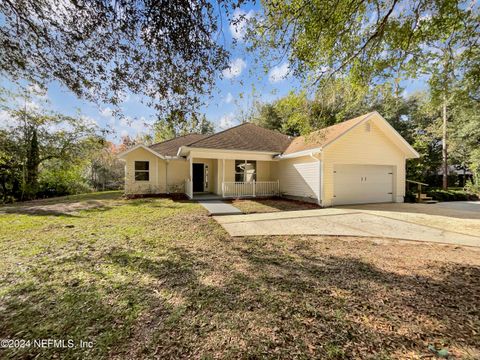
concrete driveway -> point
(450, 223)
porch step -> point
(429, 201)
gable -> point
(324, 138)
(366, 143)
(140, 153)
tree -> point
(205, 126)
(362, 39)
(40, 139)
(10, 167)
(106, 170)
(179, 124)
(101, 50)
(372, 41)
(289, 114)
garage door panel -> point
(360, 184)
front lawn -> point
(156, 278)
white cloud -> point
(278, 73)
(229, 98)
(37, 92)
(4, 119)
(32, 106)
(107, 112)
(89, 121)
(235, 68)
(124, 133)
(239, 23)
(138, 125)
(227, 121)
(125, 121)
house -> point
(361, 160)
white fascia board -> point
(300, 153)
(184, 149)
(414, 152)
(140, 146)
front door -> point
(198, 177)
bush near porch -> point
(452, 194)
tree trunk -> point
(33, 162)
(444, 144)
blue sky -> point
(233, 94)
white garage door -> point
(362, 184)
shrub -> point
(451, 195)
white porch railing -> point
(189, 188)
(250, 189)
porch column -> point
(191, 169)
(223, 176)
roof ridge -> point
(242, 124)
(220, 132)
(342, 122)
(175, 138)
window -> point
(245, 170)
(142, 171)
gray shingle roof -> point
(170, 147)
(246, 137)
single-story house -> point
(361, 160)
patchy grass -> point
(250, 206)
(156, 278)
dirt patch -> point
(53, 209)
(251, 206)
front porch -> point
(228, 178)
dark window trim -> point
(135, 171)
(243, 172)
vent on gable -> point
(367, 126)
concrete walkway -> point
(340, 222)
(219, 207)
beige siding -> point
(299, 177)
(155, 184)
(263, 171)
(360, 146)
(177, 172)
(175, 176)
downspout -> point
(320, 164)
(166, 176)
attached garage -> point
(361, 184)
(361, 161)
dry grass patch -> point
(250, 206)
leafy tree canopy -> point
(365, 39)
(100, 50)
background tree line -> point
(417, 117)
(44, 154)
